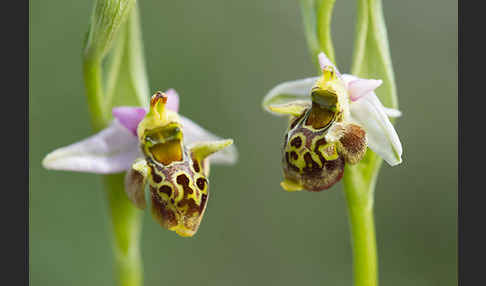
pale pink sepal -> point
(129, 117)
(112, 150)
(361, 87)
(173, 100)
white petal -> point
(382, 137)
(194, 133)
(288, 92)
(347, 78)
(392, 112)
(112, 150)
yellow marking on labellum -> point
(315, 158)
(182, 230)
(290, 186)
(329, 151)
(294, 148)
(163, 189)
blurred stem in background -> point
(371, 59)
(115, 34)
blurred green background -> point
(222, 57)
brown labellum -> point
(312, 162)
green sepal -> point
(289, 97)
(201, 150)
(295, 108)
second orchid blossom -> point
(334, 118)
(160, 148)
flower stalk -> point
(371, 59)
(175, 150)
(359, 193)
(115, 27)
(317, 16)
(126, 228)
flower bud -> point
(107, 17)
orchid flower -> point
(334, 118)
(158, 147)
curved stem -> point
(317, 17)
(324, 17)
(307, 8)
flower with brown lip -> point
(333, 119)
(159, 148)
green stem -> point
(364, 244)
(371, 59)
(125, 219)
(93, 82)
(317, 17)
(126, 228)
(359, 197)
(324, 17)
(307, 8)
